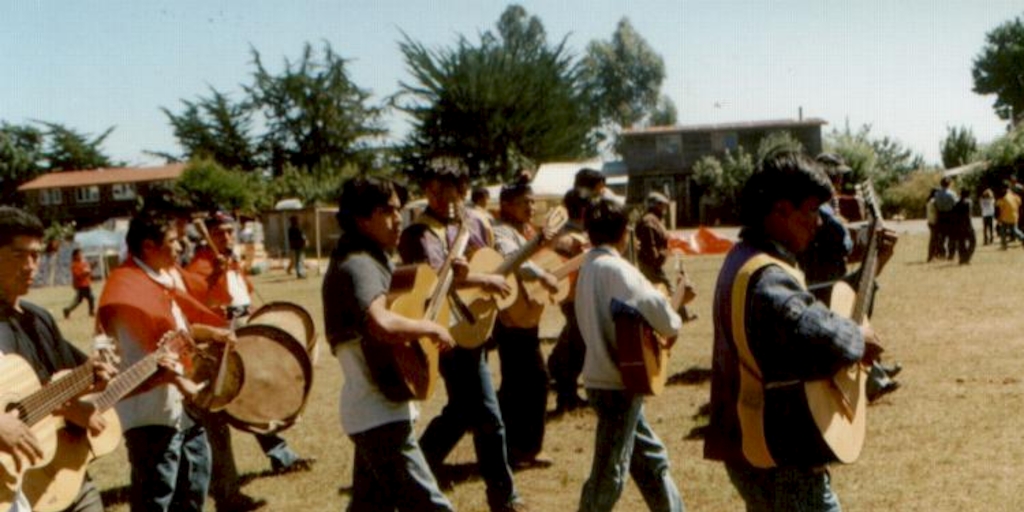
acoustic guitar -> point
(408, 371)
(35, 404)
(480, 307)
(533, 297)
(54, 487)
(641, 353)
(839, 404)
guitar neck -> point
(43, 402)
(446, 276)
(127, 381)
(569, 266)
(516, 259)
(868, 269)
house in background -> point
(93, 196)
(661, 158)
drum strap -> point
(750, 406)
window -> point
(50, 196)
(87, 194)
(123, 191)
(668, 144)
(722, 141)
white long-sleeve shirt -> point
(606, 275)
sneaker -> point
(889, 388)
(538, 461)
(893, 370)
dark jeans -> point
(523, 395)
(987, 230)
(784, 489)
(472, 405)
(390, 472)
(80, 295)
(935, 247)
(170, 468)
(566, 360)
(624, 443)
(224, 478)
(966, 241)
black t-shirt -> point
(33, 334)
(359, 272)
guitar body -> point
(483, 305)
(54, 487)
(642, 354)
(539, 294)
(839, 405)
(18, 380)
(407, 371)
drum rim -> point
(307, 319)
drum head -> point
(289, 317)
(276, 375)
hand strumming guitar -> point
(17, 439)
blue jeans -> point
(170, 468)
(472, 405)
(299, 261)
(390, 472)
(784, 489)
(625, 443)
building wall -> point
(87, 214)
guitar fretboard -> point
(43, 402)
(127, 381)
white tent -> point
(554, 179)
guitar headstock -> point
(176, 342)
(554, 222)
(871, 202)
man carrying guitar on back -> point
(389, 472)
(472, 403)
(624, 443)
(772, 335)
(29, 331)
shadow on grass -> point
(119, 495)
(701, 429)
(691, 376)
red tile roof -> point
(108, 176)
(741, 125)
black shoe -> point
(66, 313)
(298, 465)
(888, 388)
(892, 371)
(240, 503)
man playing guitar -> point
(389, 471)
(772, 336)
(472, 403)
(29, 331)
(523, 395)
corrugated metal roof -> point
(66, 179)
(741, 125)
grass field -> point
(948, 440)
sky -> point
(903, 67)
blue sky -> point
(901, 66)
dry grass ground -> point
(948, 440)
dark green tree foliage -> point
(21, 158)
(999, 70)
(625, 76)
(501, 104)
(209, 186)
(665, 113)
(69, 150)
(775, 143)
(215, 127)
(959, 147)
(314, 113)
(885, 161)
(723, 179)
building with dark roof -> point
(661, 158)
(93, 196)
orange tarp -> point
(702, 241)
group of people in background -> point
(951, 232)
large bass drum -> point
(265, 383)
